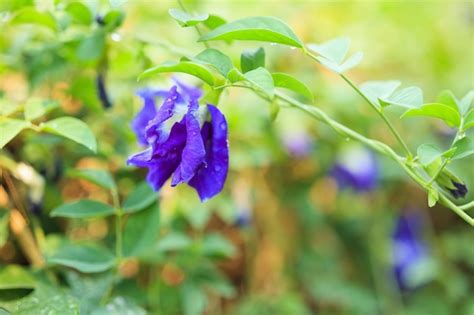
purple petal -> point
(193, 153)
(210, 180)
(189, 92)
(143, 117)
(164, 160)
(154, 132)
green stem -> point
(375, 107)
(440, 169)
(206, 44)
(467, 206)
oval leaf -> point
(410, 97)
(83, 208)
(464, 147)
(262, 28)
(334, 50)
(30, 15)
(101, 178)
(262, 79)
(441, 111)
(73, 129)
(252, 59)
(9, 128)
(217, 59)
(185, 19)
(188, 67)
(85, 258)
(469, 120)
(139, 199)
(289, 82)
(36, 108)
(141, 231)
(427, 153)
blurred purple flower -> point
(183, 143)
(244, 217)
(412, 264)
(357, 168)
(298, 143)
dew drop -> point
(217, 168)
(223, 126)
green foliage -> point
(262, 79)
(333, 54)
(252, 59)
(73, 129)
(217, 59)
(139, 199)
(441, 111)
(266, 29)
(192, 68)
(84, 258)
(83, 209)
(291, 83)
(101, 178)
(10, 128)
(185, 19)
(35, 108)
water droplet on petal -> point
(223, 126)
(217, 168)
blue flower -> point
(356, 167)
(186, 142)
(412, 264)
(298, 144)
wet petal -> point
(154, 132)
(210, 180)
(141, 159)
(193, 153)
(189, 92)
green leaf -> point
(188, 67)
(185, 19)
(92, 47)
(4, 230)
(410, 97)
(79, 12)
(16, 277)
(85, 258)
(437, 110)
(433, 197)
(10, 128)
(266, 29)
(466, 102)
(35, 108)
(46, 300)
(447, 98)
(73, 129)
(334, 50)
(427, 153)
(8, 107)
(252, 59)
(113, 19)
(139, 199)
(262, 79)
(464, 147)
(83, 209)
(101, 178)
(214, 21)
(30, 15)
(194, 299)
(141, 231)
(379, 90)
(173, 241)
(469, 120)
(235, 75)
(215, 245)
(289, 82)
(119, 306)
(217, 59)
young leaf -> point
(466, 102)
(79, 12)
(437, 110)
(334, 50)
(185, 19)
(266, 29)
(141, 231)
(235, 75)
(192, 68)
(433, 197)
(447, 98)
(83, 209)
(101, 178)
(16, 277)
(469, 120)
(35, 108)
(214, 21)
(427, 153)
(262, 79)
(217, 59)
(73, 129)
(10, 128)
(30, 15)
(289, 82)
(85, 258)
(464, 147)
(410, 97)
(91, 47)
(379, 90)
(351, 62)
(252, 59)
(139, 199)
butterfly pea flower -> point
(186, 142)
(356, 168)
(298, 144)
(411, 261)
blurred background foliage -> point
(287, 235)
